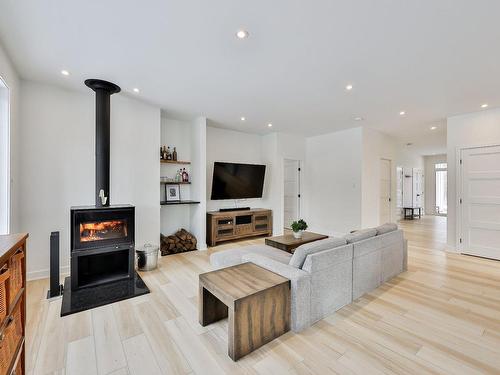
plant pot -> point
(298, 235)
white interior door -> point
(418, 187)
(407, 187)
(292, 192)
(480, 202)
(385, 191)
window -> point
(441, 188)
(4, 158)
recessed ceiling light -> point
(243, 119)
(270, 125)
(433, 127)
(485, 105)
(64, 72)
(402, 113)
(136, 90)
(359, 118)
(348, 87)
(242, 34)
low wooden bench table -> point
(289, 243)
(255, 300)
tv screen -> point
(237, 181)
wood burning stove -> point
(102, 236)
(102, 245)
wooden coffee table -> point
(255, 300)
(289, 243)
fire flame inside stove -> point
(102, 230)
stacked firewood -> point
(179, 242)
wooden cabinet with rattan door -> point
(12, 303)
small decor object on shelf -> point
(169, 153)
(185, 176)
(173, 193)
(161, 153)
(178, 176)
(164, 153)
(298, 227)
(174, 154)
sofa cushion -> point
(299, 256)
(360, 235)
(386, 228)
(234, 256)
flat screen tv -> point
(237, 181)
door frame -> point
(8, 156)
(390, 188)
(459, 189)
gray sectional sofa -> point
(328, 274)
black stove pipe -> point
(103, 90)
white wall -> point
(270, 149)
(236, 147)
(198, 186)
(333, 182)
(57, 165)
(430, 181)
(376, 146)
(9, 75)
(470, 130)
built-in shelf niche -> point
(189, 138)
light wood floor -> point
(442, 316)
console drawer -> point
(221, 233)
(243, 229)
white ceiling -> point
(431, 58)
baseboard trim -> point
(44, 274)
(451, 249)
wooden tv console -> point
(232, 225)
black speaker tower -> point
(56, 289)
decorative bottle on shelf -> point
(185, 176)
(169, 153)
(174, 154)
(164, 153)
(178, 177)
(161, 153)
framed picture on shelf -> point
(173, 193)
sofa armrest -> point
(272, 265)
(300, 288)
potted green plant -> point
(298, 227)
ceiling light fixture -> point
(433, 127)
(242, 34)
(270, 125)
(402, 113)
(64, 72)
(348, 87)
(136, 90)
(485, 105)
(243, 119)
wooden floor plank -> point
(440, 317)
